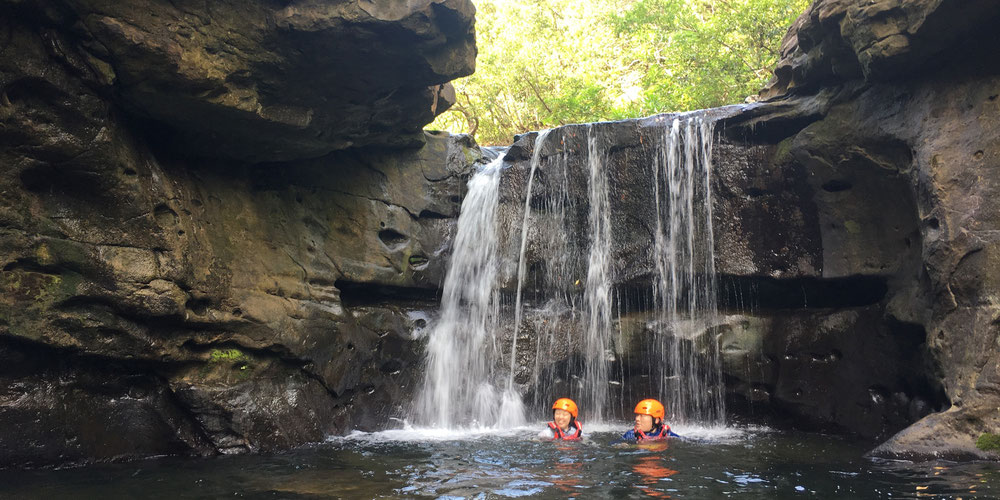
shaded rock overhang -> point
(262, 80)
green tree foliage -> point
(544, 63)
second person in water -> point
(649, 425)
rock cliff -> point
(210, 240)
(908, 91)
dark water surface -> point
(710, 463)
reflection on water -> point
(708, 463)
(651, 470)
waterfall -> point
(685, 284)
(562, 257)
(598, 290)
(536, 156)
(459, 383)
(561, 262)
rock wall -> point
(191, 260)
(909, 90)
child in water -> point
(649, 424)
(564, 424)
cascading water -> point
(598, 290)
(685, 285)
(555, 277)
(559, 311)
(562, 308)
(460, 387)
(521, 266)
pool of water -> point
(708, 463)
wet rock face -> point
(916, 102)
(830, 365)
(215, 305)
(265, 81)
(61, 409)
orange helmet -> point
(650, 407)
(566, 404)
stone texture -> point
(830, 365)
(836, 41)
(215, 304)
(265, 81)
(922, 108)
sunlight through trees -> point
(544, 63)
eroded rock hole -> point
(392, 238)
(164, 215)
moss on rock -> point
(227, 356)
(988, 442)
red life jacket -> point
(664, 432)
(559, 434)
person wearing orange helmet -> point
(649, 423)
(564, 424)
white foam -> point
(412, 434)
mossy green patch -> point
(988, 442)
(37, 290)
(227, 356)
(852, 227)
(783, 153)
(226, 366)
(471, 155)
